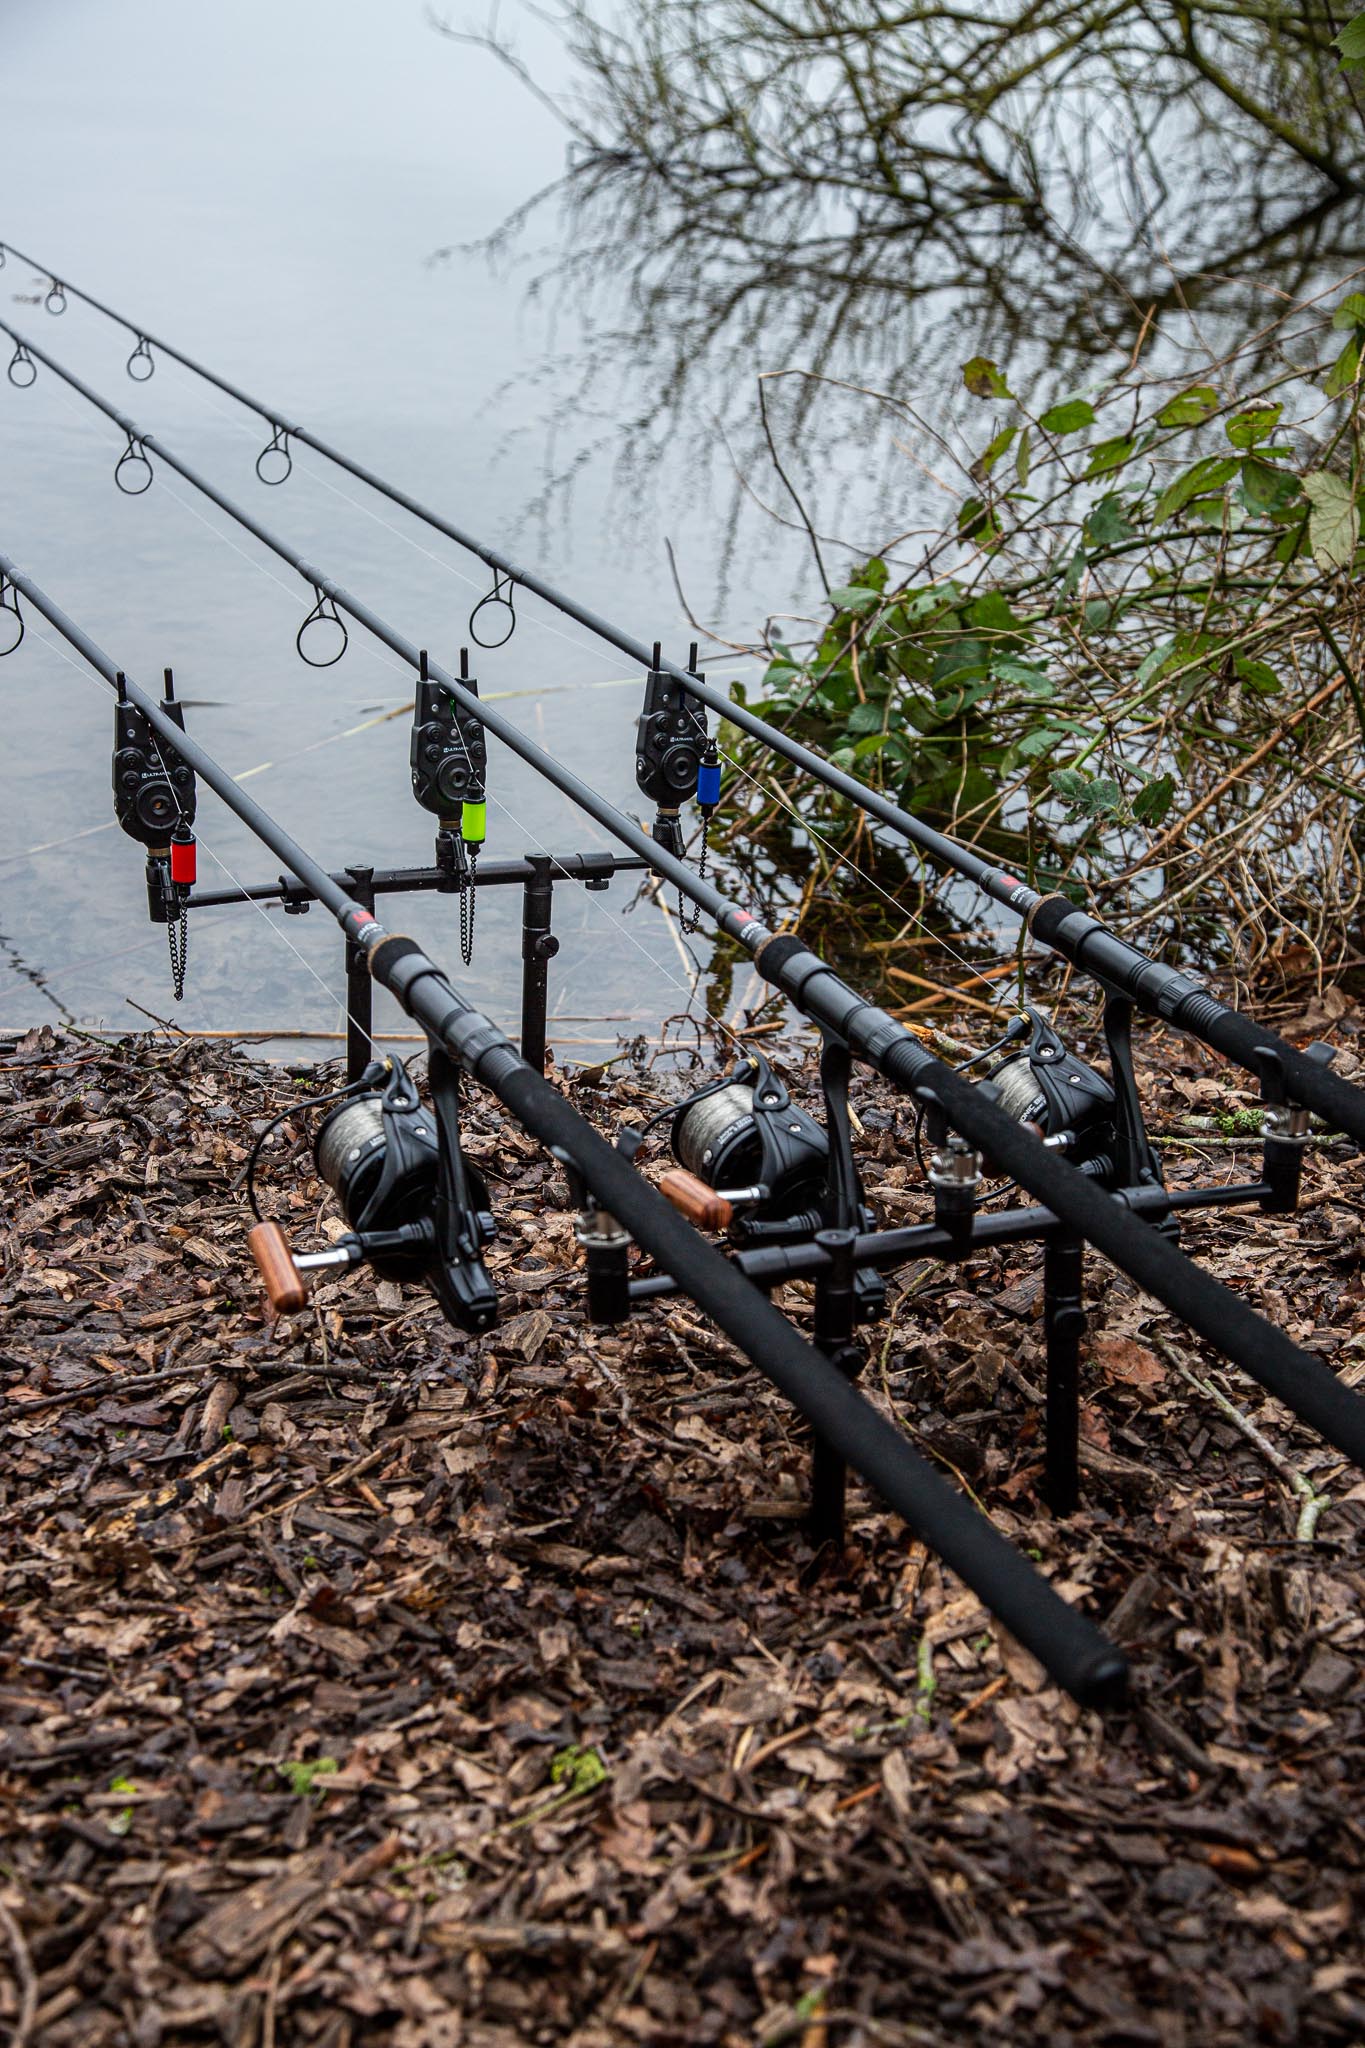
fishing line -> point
(840, 858)
(847, 860)
(599, 911)
(386, 661)
(283, 937)
(241, 428)
(377, 627)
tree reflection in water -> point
(875, 191)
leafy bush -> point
(1131, 663)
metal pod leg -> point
(538, 947)
(1063, 1325)
(835, 1311)
(359, 987)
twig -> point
(1312, 1502)
(28, 1981)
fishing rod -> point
(966, 1124)
(446, 1245)
(1053, 920)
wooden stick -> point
(951, 995)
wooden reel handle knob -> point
(696, 1201)
(284, 1284)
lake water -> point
(264, 185)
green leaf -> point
(1153, 663)
(1035, 680)
(1189, 408)
(986, 462)
(854, 597)
(1106, 524)
(1258, 676)
(1107, 455)
(1068, 417)
(1210, 473)
(1266, 492)
(992, 614)
(984, 380)
(1351, 311)
(1039, 741)
(974, 522)
(1334, 524)
(299, 1776)
(1152, 802)
(958, 662)
(1097, 796)
(1351, 43)
(1257, 423)
(962, 699)
(1021, 455)
(865, 718)
(1075, 569)
(577, 1769)
(1344, 370)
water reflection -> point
(876, 197)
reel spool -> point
(746, 1138)
(380, 1155)
(1068, 1104)
(417, 1209)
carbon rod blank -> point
(1158, 990)
(1292, 1374)
(1078, 1655)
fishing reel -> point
(418, 1209)
(672, 753)
(1044, 1086)
(754, 1164)
(767, 1157)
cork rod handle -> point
(695, 1200)
(275, 1262)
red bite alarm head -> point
(184, 856)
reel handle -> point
(695, 1200)
(284, 1284)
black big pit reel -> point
(746, 1137)
(418, 1209)
(770, 1160)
